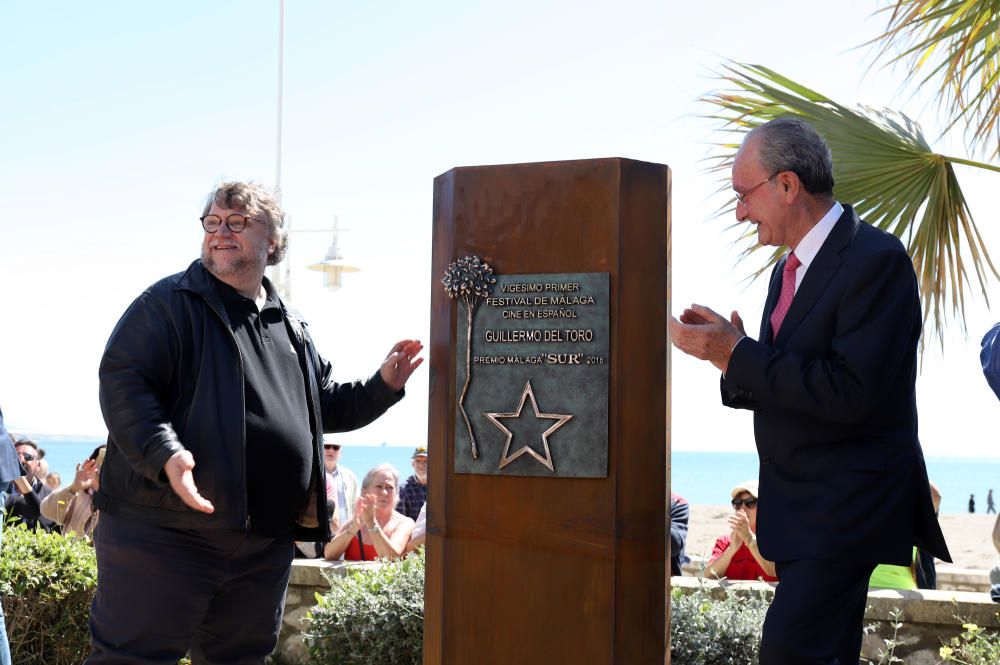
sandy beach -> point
(969, 536)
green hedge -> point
(709, 631)
(46, 584)
(376, 615)
(373, 616)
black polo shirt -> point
(279, 440)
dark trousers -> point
(817, 614)
(164, 592)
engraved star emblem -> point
(561, 419)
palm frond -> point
(957, 44)
(884, 166)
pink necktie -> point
(787, 292)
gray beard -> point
(239, 267)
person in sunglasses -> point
(24, 504)
(341, 483)
(216, 401)
(736, 556)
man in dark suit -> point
(843, 485)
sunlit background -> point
(118, 117)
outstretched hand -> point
(403, 359)
(178, 469)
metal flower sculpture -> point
(469, 279)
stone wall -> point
(949, 577)
(928, 618)
(308, 577)
(962, 579)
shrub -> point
(975, 646)
(46, 582)
(710, 631)
(887, 653)
(373, 616)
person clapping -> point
(736, 556)
(376, 530)
(72, 506)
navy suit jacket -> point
(842, 475)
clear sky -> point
(119, 116)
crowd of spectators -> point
(38, 500)
(71, 507)
(378, 518)
(735, 555)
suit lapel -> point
(820, 272)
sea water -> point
(708, 477)
(64, 453)
(700, 477)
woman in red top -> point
(736, 556)
(377, 530)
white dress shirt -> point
(809, 246)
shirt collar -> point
(810, 244)
(231, 295)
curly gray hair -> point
(254, 200)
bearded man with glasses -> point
(216, 401)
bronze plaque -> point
(533, 385)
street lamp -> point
(333, 265)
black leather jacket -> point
(172, 379)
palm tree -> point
(883, 164)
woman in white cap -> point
(736, 556)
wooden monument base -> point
(553, 569)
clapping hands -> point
(85, 475)
(706, 334)
(739, 523)
(367, 509)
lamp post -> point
(282, 279)
(281, 94)
(333, 266)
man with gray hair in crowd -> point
(216, 401)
